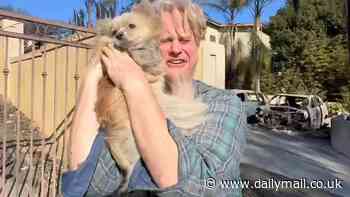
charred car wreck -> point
(295, 111)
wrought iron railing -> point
(41, 62)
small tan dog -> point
(137, 33)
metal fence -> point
(41, 64)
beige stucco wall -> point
(214, 33)
(211, 63)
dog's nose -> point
(119, 36)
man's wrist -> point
(92, 77)
(134, 85)
(94, 71)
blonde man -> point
(171, 164)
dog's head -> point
(132, 28)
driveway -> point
(271, 154)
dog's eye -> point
(114, 32)
(132, 26)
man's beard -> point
(178, 84)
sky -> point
(62, 10)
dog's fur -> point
(137, 33)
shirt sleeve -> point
(97, 176)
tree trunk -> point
(296, 5)
(257, 24)
(230, 66)
(258, 65)
(90, 4)
(258, 78)
(347, 3)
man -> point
(171, 164)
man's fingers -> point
(107, 51)
(115, 51)
(106, 61)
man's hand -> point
(94, 69)
(122, 69)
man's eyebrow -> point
(185, 36)
(166, 36)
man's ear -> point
(104, 26)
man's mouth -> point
(176, 62)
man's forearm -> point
(85, 126)
(158, 149)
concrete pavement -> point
(295, 157)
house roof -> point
(216, 24)
(211, 22)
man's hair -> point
(192, 13)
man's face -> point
(178, 46)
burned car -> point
(297, 111)
(254, 102)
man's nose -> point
(175, 47)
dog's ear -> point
(104, 26)
(144, 7)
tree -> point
(346, 96)
(291, 81)
(260, 58)
(256, 9)
(258, 50)
(106, 9)
(310, 37)
(100, 9)
(347, 5)
(229, 9)
(79, 17)
(89, 7)
(296, 5)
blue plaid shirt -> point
(213, 152)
